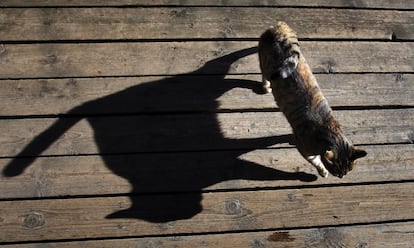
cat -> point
(318, 136)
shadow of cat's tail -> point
(40, 144)
(221, 65)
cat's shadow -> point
(167, 157)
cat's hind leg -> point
(266, 85)
(317, 162)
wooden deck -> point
(140, 125)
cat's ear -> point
(329, 155)
(358, 153)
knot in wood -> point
(399, 77)
(34, 220)
(329, 65)
(180, 14)
(291, 197)
(362, 245)
(2, 50)
(410, 137)
(233, 207)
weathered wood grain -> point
(184, 172)
(228, 211)
(149, 58)
(186, 132)
(382, 4)
(195, 93)
(20, 24)
(163, 141)
(393, 235)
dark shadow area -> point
(147, 136)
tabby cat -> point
(317, 133)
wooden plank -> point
(381, 4)
(32, 220)
(393, 235)
(186, 132)
(21, 24)
(149, 58)
(196, 93)
(189, 172)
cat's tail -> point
(287, 38)
(39, 144)
(288, 43)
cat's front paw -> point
(323, 172)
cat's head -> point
(339, 160)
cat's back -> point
(293, 85)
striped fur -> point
(317, 133)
